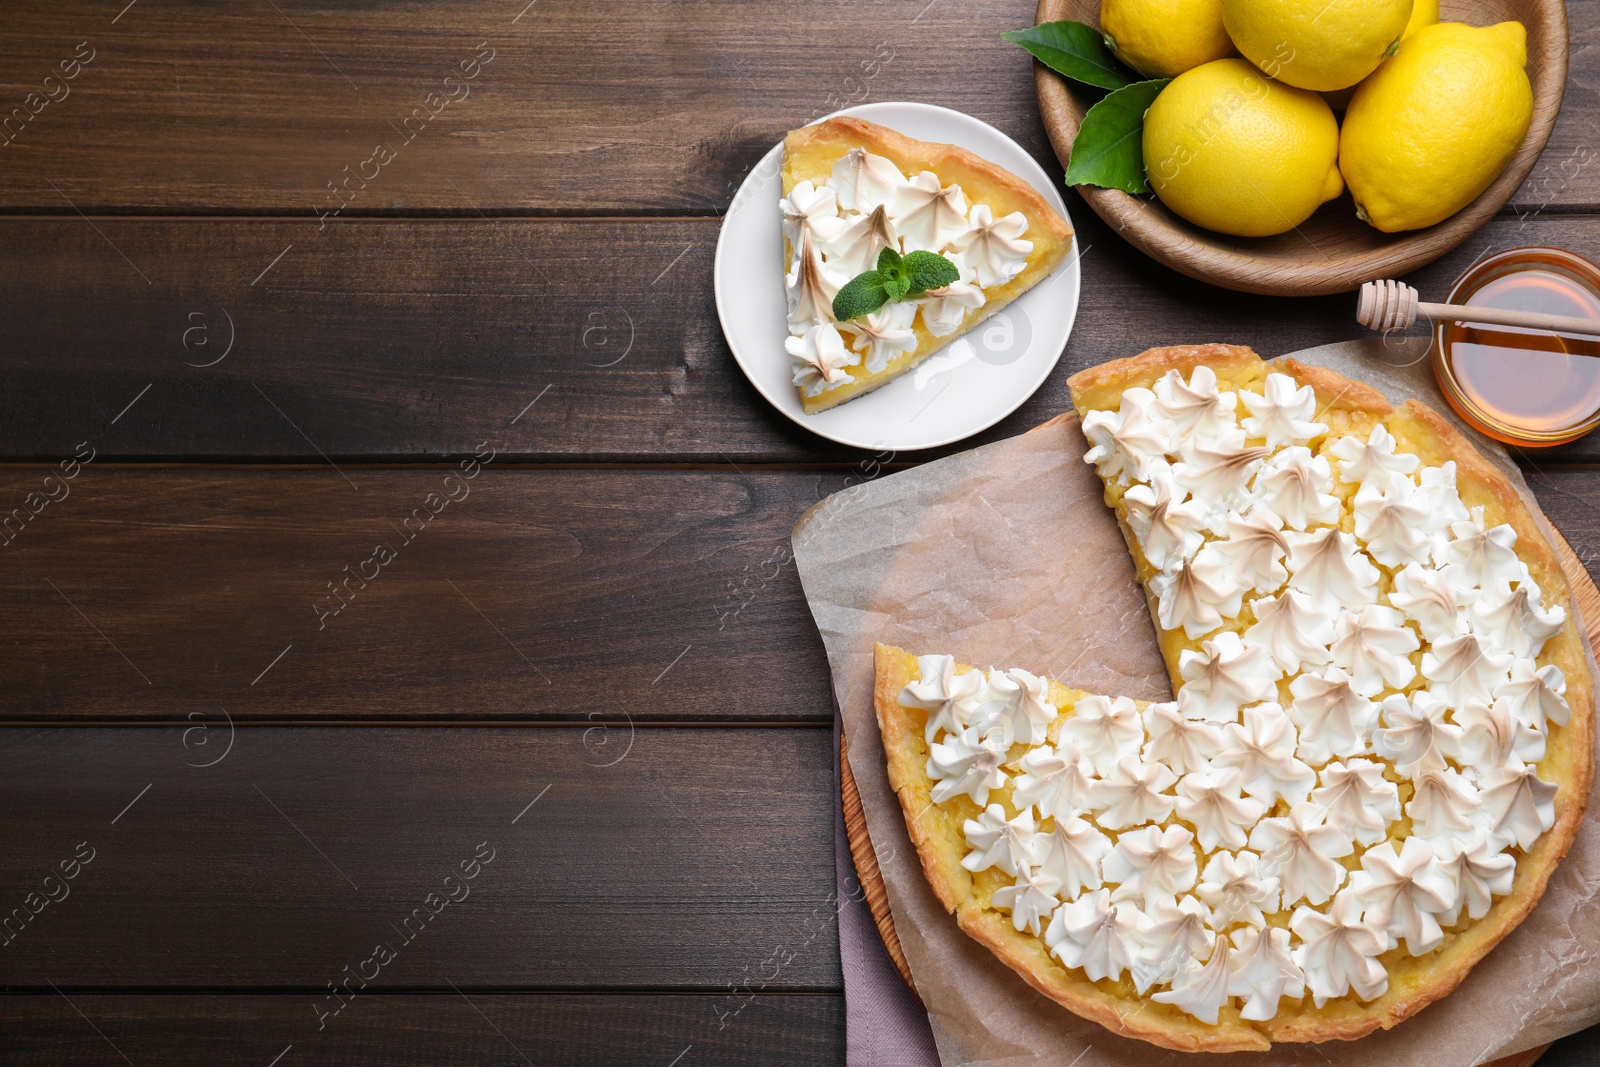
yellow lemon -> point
(1164, 38)
(1423, 13)
(1316, 44)
(1232, 150)
(1436, 124)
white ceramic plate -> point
(967, 386)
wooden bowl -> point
(1333, 250)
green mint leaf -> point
(1073, 49)
(892, 269)
(895, 279)
(861, 295)
(929, 270)
(1109, 148)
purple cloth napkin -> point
(885, 1025)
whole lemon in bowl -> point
(1164, 38)
(1320, 45)
(1235, 151)
(1436, 124)
(1423, 13)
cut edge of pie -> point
(1414, 982)
(809, 154)
(940, 843)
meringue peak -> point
(1283, 413)
(993, 247)
(1197, 406)
(1127, 440)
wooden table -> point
(393, 512)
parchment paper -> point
(1007, 556)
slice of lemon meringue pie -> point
(853, 190)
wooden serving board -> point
(1584, 593)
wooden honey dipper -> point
(1390, 305)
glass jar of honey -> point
(1521, 386)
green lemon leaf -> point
(929, 270)
(1073, 49)
(861, 295)
(1109, 148)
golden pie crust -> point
(809, 155)
(1414, 982)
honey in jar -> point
(1521, 386)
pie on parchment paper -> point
(851, 188)
(1492, 723)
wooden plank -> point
(564, 595)
(651, 108)
(1581, 1049)
(1567, 176)
(642, 108)
(380, 1030)
(471, 1027)
(701, 860)
(416, 340)
(476, 1028)
(541, 595)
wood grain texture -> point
(658, 108)
(670, 894)
(570, 595)
(413, 340)
(697, 861)
(1333, 251)
(1581, 1049)
(381, 1030)
(644, 108)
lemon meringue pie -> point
(851, 189)
(1379, 750)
